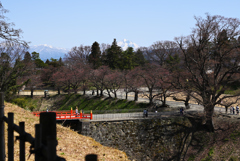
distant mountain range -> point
(47, 52)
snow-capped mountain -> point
(126, 43)
(48, 52)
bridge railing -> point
(63, 115)
(43, 145)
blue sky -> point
(66, 24)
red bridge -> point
(67, 115)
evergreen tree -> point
(127, 59)
(113, 56)
(27, 57)
(38, 62)
(60, 62)
(172, 62)
(47, 62)
(35, 55)
(95, 56)
(139, 59)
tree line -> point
(203, 66)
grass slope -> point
(66, 102)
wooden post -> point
(48, 132)
(51, 141)
(71, 113)
(80, 114)
(10, 137)
(91, 157)
(22, 141)
(38, 142)
(2, 137)
(91, 115)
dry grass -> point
(71, 145)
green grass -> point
(66, 102)
(97, 103)
(26, 102)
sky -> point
(69, 23)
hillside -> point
(71, 145)
(85, 102)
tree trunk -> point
(150, 97)
(208, 111)
(93, 92)
(226, 108)
(115, 94)
(136, 96)
(109, 93)
(126, 96)
(31, 93)
(164, 101)
(58, 91)
(186, 102)
(84, 91)
(187, 105)
(150, 100)
(68, 90)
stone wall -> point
(143, 139)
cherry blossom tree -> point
(132, 82)
(113, 82)
(97, 78)
(62, 78)
(153, 81)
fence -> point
(117, 116)
(43, 145)
(69, 115)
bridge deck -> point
(67, 115)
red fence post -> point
(80, 114)
(91, 115)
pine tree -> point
(95, 56)
(113, 56)
(127, 59)
(27, 57)
(139, 59)
(60, 62)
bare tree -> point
(211, 58)
(153, 81)
(7, 32)
(160, 50)
(97, 78)
(62, 78)
(78, 55)
(113, 82)
(132, 83)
